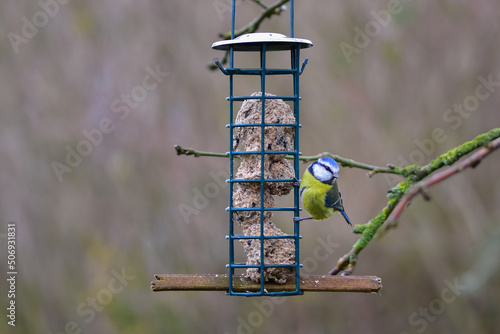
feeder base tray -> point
(220, 282)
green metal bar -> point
(231, 161)
(295, 59)
(285, 236)
(257, 180)
(262, 159)
(237, 265)
(284, 98)
(246, 125)
(265, 209)
(254, 71)
(265, 152)
(233, 17)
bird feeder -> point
(264, 163)
(264, 132)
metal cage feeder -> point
(261, 44)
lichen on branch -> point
(397, 196)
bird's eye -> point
(328, 169)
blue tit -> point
(319, 191)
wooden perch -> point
(220, 282)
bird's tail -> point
(345, 217)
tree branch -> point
(191, 151)
(390, 169)
(260, 4)
(414, 174)
(252, 26)
(421, 187)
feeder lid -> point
(252, 42)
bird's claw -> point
(299, 219)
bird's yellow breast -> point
(313, 194)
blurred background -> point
(95, 95)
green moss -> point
(410, 170)
(414, 174)
(369, 229)
(358, 229)
(453, 155)
(399, 190)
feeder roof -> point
(252, 42)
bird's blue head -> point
(325, 170)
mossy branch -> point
(414, 174)
(402, 193)
(422, 186)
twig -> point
(343, 161)
(260, 4)
(253, 26)
(191, 151)
(274, 9)
(390, 169)
(421, 187)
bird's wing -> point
(333, 199)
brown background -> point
(118, 209)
